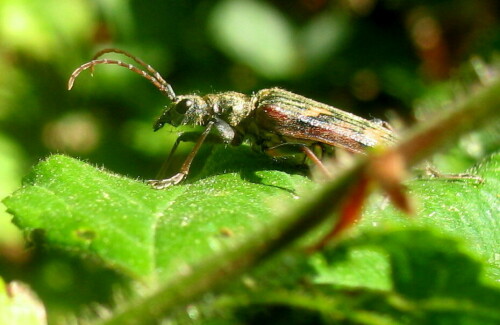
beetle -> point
(276, 121)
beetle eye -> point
(183, 106)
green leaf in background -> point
(256, 34)
(37, 26)
(316, 45)
(139, 230)
(11, 162)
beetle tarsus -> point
(160, 184)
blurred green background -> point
(366, 56)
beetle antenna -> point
(156, 79)
(155, 73)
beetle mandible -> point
(276, 121)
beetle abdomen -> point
(306, 121)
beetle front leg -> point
(185, 137)
(181, 175)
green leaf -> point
(434, 279)
(365, 267)
(142, 231)
(429, 279)
(461, 208)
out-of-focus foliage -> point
(369, 57)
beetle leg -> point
(184, 137)
(181, 175)
(433, 173)
(225, 130)
(311, 155)
(286, 149)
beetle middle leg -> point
(287, 149)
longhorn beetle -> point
(276, 121)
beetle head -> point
(185, 110)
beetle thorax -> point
(231, 107)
